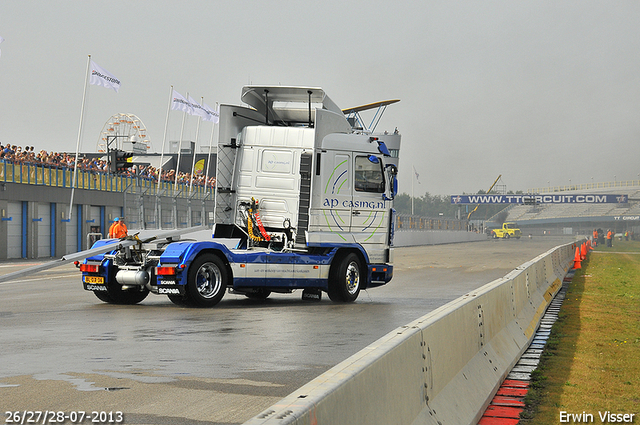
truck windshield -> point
(368, 175)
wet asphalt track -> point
(62, 349)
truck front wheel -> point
(207, 280)
(345, 279)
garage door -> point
(94, 218)
(112, 213)
(14, 230)
(71, 245)
(44, 230)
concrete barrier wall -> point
(443, 368)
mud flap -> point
(312, 294)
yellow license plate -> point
(93, 279)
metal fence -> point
(414, 222)
(45, 175)
(585, 186)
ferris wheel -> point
(124, 132)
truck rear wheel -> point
(104, 297)
(259, 294)
(116, 295)
(178, 299)
(131, 296)
(207, 280)
(345, 279)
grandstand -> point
(577, 218)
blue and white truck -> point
(303, 200)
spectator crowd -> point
(19, 155)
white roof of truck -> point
(255, 96)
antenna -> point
(266, 104)
(310, 123)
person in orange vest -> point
(595, 237)
(118, 229)
(609, 238)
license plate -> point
(93, 279)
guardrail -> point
(443, 368)
(43, 175)
(414, 222)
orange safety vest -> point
(609, 235)
(118, 230)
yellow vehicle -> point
(508, 230)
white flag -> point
(179, 103)
(197, 109)
(213, 116)
(101, 77)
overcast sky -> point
(543, 92)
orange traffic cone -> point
(576, 259)
(590, 246)
(583, 251)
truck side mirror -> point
(391, 172)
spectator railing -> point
(44, 175)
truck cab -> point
(508, 230)
(303, 200)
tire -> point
(178, 299)
(116, 295)
(104, 297)
(127, 297)
(346, 278)
(260, 294)
(506, 236)
(207, 280)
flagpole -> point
(206, 179)
(193, 163)
(412, 191)
(75, 168)
(175, 183)
(164, 139)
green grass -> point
(592, 360)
